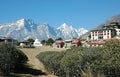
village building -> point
(76, 42)
(59, 44)
(107, 32)
(26, 44)
(68, 43)
(98, 37)
(8, 40)
(102, 34)
(96, 44)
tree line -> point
(49, 41)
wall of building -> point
(117, 31)
(107, 34)
(94, 35)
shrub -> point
(70, 63)
(85, 62)
(51, 60)
(10, 58)
(110, 62)
(80, 59)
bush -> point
(83, 62)
(51, 60)
(79, 59)
(70, 63)
(10, 58)
(110, 62)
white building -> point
(118, 32)
(37, 42)
(107, 32)
(94, 35)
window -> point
(96, 34)
(104, 33)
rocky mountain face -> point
(26, 28)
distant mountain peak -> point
(25, 22)
(26, 28)
(21, 20)
(63, 26)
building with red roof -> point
(59, 44)
(96, 44)
(76, 42)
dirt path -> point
(35, 63)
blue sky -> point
(78, 13)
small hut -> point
(59, 44)
(76, 42)
(9, 40)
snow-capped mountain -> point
(26, 28)
(81, 31)
(66, 31)
(44, 31)
(21, 29)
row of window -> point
(97, 33)
(101, 37)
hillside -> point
(112, 19)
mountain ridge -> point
(115, 18)
(26, 28)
